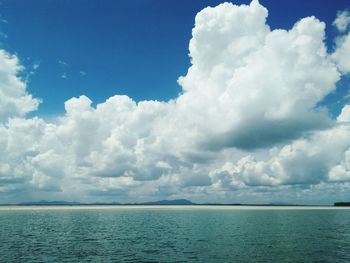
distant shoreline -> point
(166, 207)
(151, 204)
(160, 204)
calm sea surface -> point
(175, 235)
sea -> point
(174, 234)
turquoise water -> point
(180, 235)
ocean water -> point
(175, 235)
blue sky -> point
(138, 48)
(130, 101)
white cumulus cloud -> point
(14, 99)
(246, 125)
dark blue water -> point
(153, 235)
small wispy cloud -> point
(34, 68)
(347, 96)
(36, 65)
(3, 35)
(64, 66)
(63, 63)
(82, 73)
(342, 21)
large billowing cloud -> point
(250, 87)
(247, 124)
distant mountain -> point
(168, 202)
(44, 202)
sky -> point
(144, 100)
